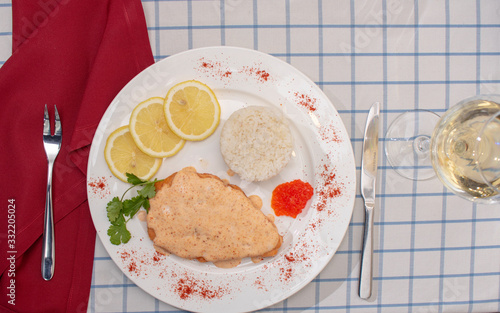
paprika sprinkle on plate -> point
(291, 198)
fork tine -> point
(46, 122)
(57, 123)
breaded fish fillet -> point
(199, 216)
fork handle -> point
(48, 249)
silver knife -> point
(369, 164)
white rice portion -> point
(256, 142)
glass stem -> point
(421, 145)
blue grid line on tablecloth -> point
(287, 32)
(317, 26)
(442, 254)
(472, 255)
(378, 54)
(5, 33)
(447, 56)
(415, 82)
(190, 24)
(478, 45)
(92, 293)
(255, 21)
(383, 175)
(126, 285)
(352, 18)
(474, 206)
(344, 307)
(371, 54)
(157, 23)
(414, 183)
(222, 26)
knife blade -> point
(369, 163)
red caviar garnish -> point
(291, 198)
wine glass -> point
(462, 148)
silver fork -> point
(52, 145)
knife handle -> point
(365, 277)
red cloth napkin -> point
(78, 55)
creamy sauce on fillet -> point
(205, 218)
(256, 201)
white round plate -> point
(322, 156)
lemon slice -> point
(150, 130)
(192, 110)
(123, 156)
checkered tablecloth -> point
(433, 252)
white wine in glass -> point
(464, 148)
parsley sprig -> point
(121, 211)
